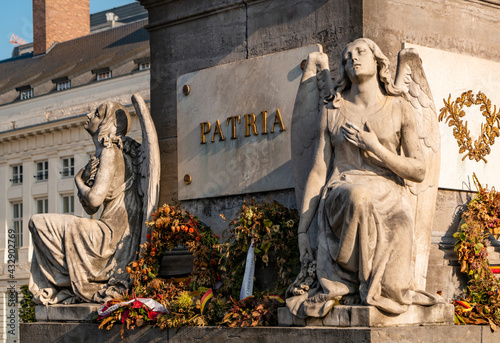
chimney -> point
(58, 21)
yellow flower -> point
(265, 259)
(184, 300)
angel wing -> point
(147, 162)
(411, 78)
(312, 90)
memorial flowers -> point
(195, 300)
(273, 229)
(481, 302)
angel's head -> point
(110, 122)
(364, 49)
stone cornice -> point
(202, 11)
(52, 126)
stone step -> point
(67, 313)
(370, 316)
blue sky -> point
(17, 17)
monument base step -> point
(66, 313)
(87, 332)
(370, 316)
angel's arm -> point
(317, 176)
(93, 197)
(411, 166)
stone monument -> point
(79, 259)
(365, 153)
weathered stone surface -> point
(370, 316)
(190, 35)
(72, 253)
(84, 332)
(62, 313)
(254, 157)
(353, 202)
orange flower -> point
(134, 264)
(197, 238)
(178, 228)
(129, 270)
(184, 228)
(191, 230)
(173, 229)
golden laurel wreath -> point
(453, 112)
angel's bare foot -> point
(351, 299)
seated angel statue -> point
(79, 259)
(367, 150)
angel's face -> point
(360, 62)
(93, 122)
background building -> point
(76, 62)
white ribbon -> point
(247, 285)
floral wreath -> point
(453, 112)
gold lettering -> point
(205, 128)
(278, 121)
(233, 125)
(264, 122)
(218, 131)
(250, 121)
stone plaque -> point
(233, 125)
(451, 73)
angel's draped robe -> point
(85, 258)
(365, 220)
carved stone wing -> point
(411, 78)
(148, 162)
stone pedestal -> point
(87, 332)
(66, 313)
(370, 316)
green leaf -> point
(268, 223)
(265, 247)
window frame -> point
(144, 65)
(17, 226)
(17, 174)
(63, 85)
(26, 94)
(103, 75)
(70, 204)
(43, 173)
(68, 170)
(45, 205)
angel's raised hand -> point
(317, 60)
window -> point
(26, 94)
(68, 204)
(144, 66)
(62, 85)
(42, 205)
(103, 76)
(68, 167)
(42, 171)
(17, 175)
(17, 224)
